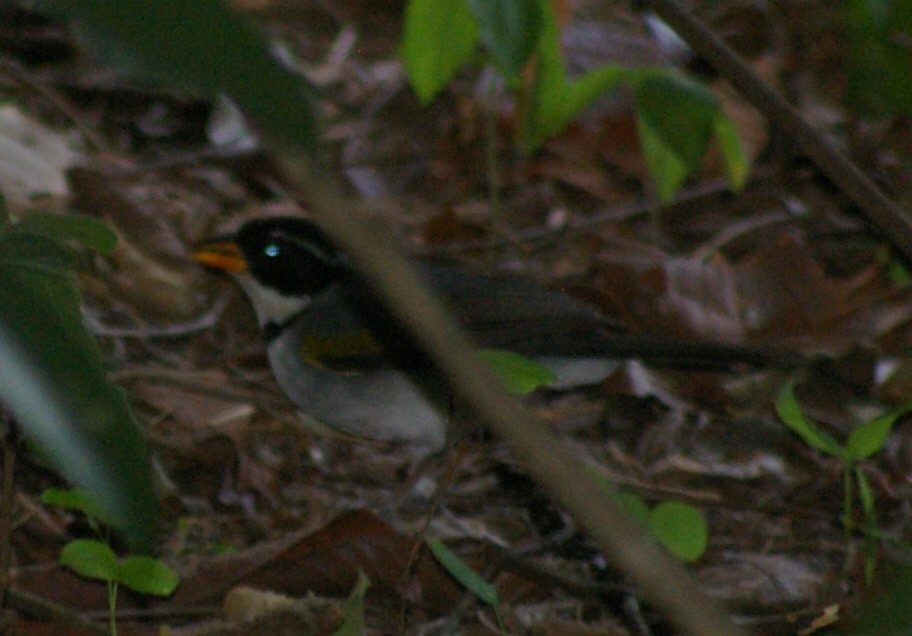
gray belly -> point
(383, 404)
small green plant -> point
(864, 440)
(467, 576)
(676, 117)
(353, 609)
(678, 526)
(519, 374)
(95, 559)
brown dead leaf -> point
(354, 541)
(583, 157)
(788, 290)
(788, 296)
(327, 562)
(668, 295)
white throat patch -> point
(270, 305)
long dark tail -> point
(710, 356)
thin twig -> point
(204, 322)
(736, 230)
(37, 607)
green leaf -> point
(790, 413)
(666, 168)
(147, 576)
(439, 37)
(545, 113)
(680, 528)
(353, 609)
(462, 572)
(869, 438)
(38, 253)
(586, 88)
(635, 506)
(519, 374)
(681, 113)
(579, 94)
(53, 380)
(734, 160)
(555, 101)
(675, 119)
(676, 116)
(76, 499)
(201, 45)
(91, 559)
(85, 230)
(509, 30)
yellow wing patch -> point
(349, 352)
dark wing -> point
(519, 316)
(348, 328)
(352, 330)
(522, 317)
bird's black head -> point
(290, 255)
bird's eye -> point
(272, 250)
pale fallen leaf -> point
(33, 158)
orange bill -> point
(221, 254)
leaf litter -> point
(252, 499)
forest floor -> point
(251, 498)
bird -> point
(341, 357)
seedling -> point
(865, 440)
(678, 526)
(467, 576)
(676, 117)
(95, 559)
(519, 374)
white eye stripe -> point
(326, 255)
